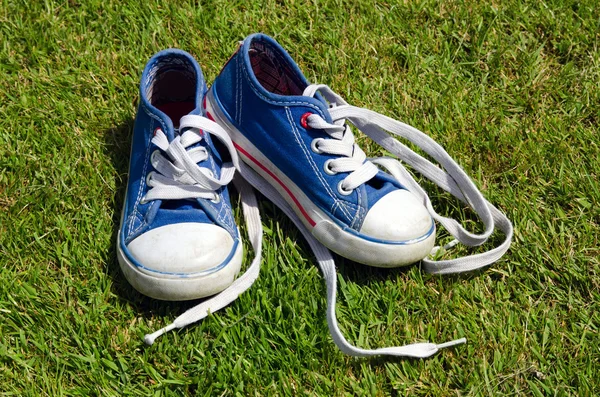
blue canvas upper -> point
(140, 217)
(271, 120)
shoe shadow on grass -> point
(353, 272)
(117, 145)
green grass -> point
(510, 88)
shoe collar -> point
(317, 102)
(166, 59)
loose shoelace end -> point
(417, 350)
(452, 343)
(437, 248)
(149, 338)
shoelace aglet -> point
(444, 248)
(452, 343)
(450, 244)
(149, 338)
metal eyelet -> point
(148, 177)
(313, 145)
(153, 156)
(304, 120)
(327, 168)
(343, 191)
(217, 199)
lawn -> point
(511, 89)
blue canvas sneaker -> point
(284, 130)
(298, 149)
(178, 239)
(297, 137)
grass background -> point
(510, 88)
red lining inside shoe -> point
(271, 71)
(176, 110)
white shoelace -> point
(182, 178)
(353, 160)
(179, 176)
(451, 178)
(327, 265)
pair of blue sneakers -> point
(292, 140)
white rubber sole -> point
(323, 228)
(170, 287)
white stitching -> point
(357, 210)
(143, 182)
(239, 87)
(344, 207)
(348, 205)
(130, 221)
(333, 207)
(142, 223)
(224, 217)
(363, 212)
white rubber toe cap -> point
(183, 248)
(398, 216)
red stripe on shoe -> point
(272, 175)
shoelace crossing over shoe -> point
(301, 154)
(178, 239)
(349, 205)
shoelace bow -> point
(181, 178)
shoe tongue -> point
(324, 94)
(171, 133)
(176, 111)
(312, 91)
(213, 160)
